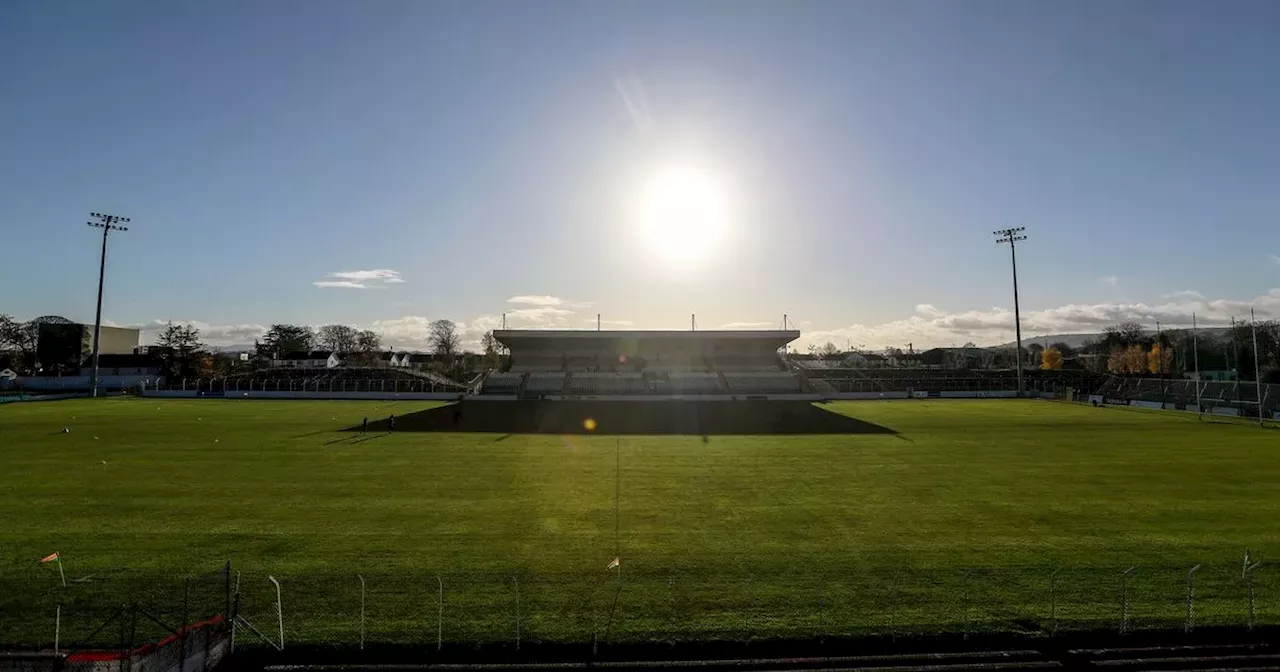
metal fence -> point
(231, 386)
(632, 604)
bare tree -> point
(1124, 334)
(444, 339)
(368, 341)
(339, 338)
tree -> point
(181, 349)
(829, 351)
(1160, 359)
(368, 341)
(1051, 359)
(1135, 360)
(282, 338)
(1127, 360)
(1065, 350)
(339, 338)
(19, 336)
(444, 339)
(367, 346)
(1124, 334)
(492, 350)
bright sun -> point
(683, 211)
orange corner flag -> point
(616, 562)
(49, 558)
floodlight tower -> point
(107, 223)
(1012, 236)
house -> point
(123, 365)
(417, 361)
(314, 359)
(864, 359)
(412, 360)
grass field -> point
(955, 520)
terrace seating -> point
(692, 382)
(545, 382)
(778, 382)
(608, 383)
(502, 383)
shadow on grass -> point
(631, 417)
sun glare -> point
(683, 212)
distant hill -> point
(1073, 340)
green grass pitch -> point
(958, 520)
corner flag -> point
(614, 564)
(54, 557)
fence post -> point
(279, 609)
(1191, 599)
(1124, 599)
(235, 614)
(361, 576)
(964, 599)
(1248, 578)
(57, 628)
(226, 582)
(1053, 602)
(440, 615)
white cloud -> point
(747, 325)
(1183, 294)
(611, 323)
(1109, 280)
(375, 274)
(545, 300)
(360, 279)
(995, 325)
(535, 300)
(210, 334)
(1274, 258)
(340, 283)
(928, 310)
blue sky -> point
(481, 152)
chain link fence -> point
(634, 604)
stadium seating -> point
(608, 383)
(727, 364)
(692, 382)
(545, 382)
(776, 382)
(502, 383)
(344, 379)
